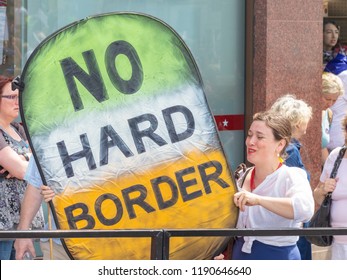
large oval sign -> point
(119, 124)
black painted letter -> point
(67, 159)
(134, 83)
(93, 81)
(167, 114)
(148, 132)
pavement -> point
(321, 253)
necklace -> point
(253, 174)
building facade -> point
(249, 53)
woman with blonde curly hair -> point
(299, 113)
(332, 89)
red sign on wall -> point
(230, 122)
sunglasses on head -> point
(17, 84)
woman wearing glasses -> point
(14, 156)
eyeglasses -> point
(11, 96)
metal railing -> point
(160, 238)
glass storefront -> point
(213, 30)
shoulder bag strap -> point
(245, 175)
(337, 164)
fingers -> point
(22, 246)
(43, 187)
(241, 200)
(47, 193)
(219, 257)
(329, 186)
(5, 173)
(244, 198)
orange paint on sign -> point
(197, 187)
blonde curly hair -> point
(331, 84)
(295, 110)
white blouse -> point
(284, 182)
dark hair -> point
(3, 81)
(327, 21)
(279, 124)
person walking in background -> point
(299, 114)
(332, 89)
(338, 187)
(271, 195)
(14, 156)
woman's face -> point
(261, 144)
(329, 100)
(330, 36)
(9, 105)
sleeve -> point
(20, 130)
(32, 174)
(301, 193)
(294, 160)
(329, 164)
(3, 142)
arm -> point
(326, 184)
(15, 164)
(325, 154)
(30, 205)
(278, 205)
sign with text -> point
(119, 124)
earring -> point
(280, 158)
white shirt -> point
(284, 182)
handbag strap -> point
(337, 165)
(245, 175)
(338, 161)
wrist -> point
(23, 227)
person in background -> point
(338, 66)
(338, 187)
(299, 114)
(271, 195)
(14, 156)
(34, 194)
(331, 44)
(332, 89)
